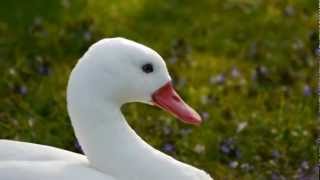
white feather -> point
(105, 78)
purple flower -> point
(261, 74)
(205, 115)
(235, 72)
(42, 65)
(168, 148)
(219, 79)
(44, 69)
(305, 175)
(305, 165)
(317, 51)
(21, 89)
(166, 130)
(225, 149)
(276, 176)
(307, 90)
(275, 154)
(228, 147)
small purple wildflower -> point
(225, 149)
(22, 90)
(219, 79)
(205, 115)
(307, 90)
(317, 51)
(166, 130)
(275, 154)
(168, 148)
(305, 165)
(276, 176)
(261, 74)
(235, 73)
(228, 147)
(44, 69)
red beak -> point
(169, 100)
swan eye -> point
(147, 68)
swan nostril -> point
(176, 98)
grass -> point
(249, 67)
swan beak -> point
(169, 100)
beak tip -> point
(168, 99)
(194, 119)
(198, 121)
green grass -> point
(199, 40)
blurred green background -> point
(249, 67)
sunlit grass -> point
(247, 66)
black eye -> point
(147, 68)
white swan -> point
(112, 72)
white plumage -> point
(106, 77)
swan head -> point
(123, 71)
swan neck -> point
(107, 140)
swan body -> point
(37, 162)
(111, 73)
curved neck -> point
(109, 143)
(106, 138)
(112, 146)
